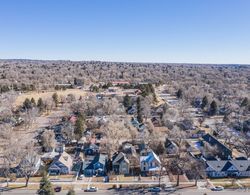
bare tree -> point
(110, 106)
(146, 107)
(29, 164)
(115, 131)
(48, 140)
(179, 161)
(196, 168)
(244, 146)
(10, 148)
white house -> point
(150, 163)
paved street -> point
(106, 192)
(14, 192)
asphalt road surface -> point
(23, 192)
(106, 192)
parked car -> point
(217, 188)
(154, 189)
(91, 189)
(169, 189)
(80, 177)
(58, 189)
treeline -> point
(16, 87)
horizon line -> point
(136, 62)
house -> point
(49, 156)
(120, 163)
(91, 149)
(197, 134)
(128, 148)
(224, 152)
(135, 122)
(140, 126)
(171, 147)
(57, 129)
(127, 165)
(60, 147)
(99, 96)
(120, 82)
(132, 110)
(62, 164)
(156, 122)
(113, 89)
(73, 119)
(228, 168)
(95, 166)
(150, 163)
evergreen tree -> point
(139, 113)
(55, 99)
(179, 93)
(226, 119)
(204, 102)
(213, 108)
(27, 104)
(45, 186)
(40, 104)
(79, 127)
(127, 101)
(33, 102)
(139, 117)
(244, 102)
(71, 192)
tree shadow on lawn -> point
(3, 189)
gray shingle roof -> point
(224, 165)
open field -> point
(48, 94)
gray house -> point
(228, 168)
(120, 163)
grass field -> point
(48, 94)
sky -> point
(171, 31)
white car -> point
(91, 189)
(169, 189)
(217, 188)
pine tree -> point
(204, 102)
(45, 186)
(71, 192)
(244, 102)
(179, 93)
(33, 102)
(55, 99)
(79, 127)
(127, 101)
(139, 114)
(213, 108)
(27, 104)
(40, 104)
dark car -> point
(58, 189)
(154, 189)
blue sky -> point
(191, 31)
